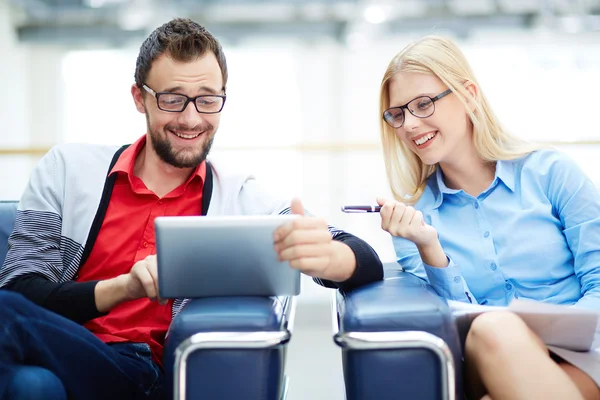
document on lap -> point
(589, 361)
(561, 326)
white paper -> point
(568, 327)
(563, 326)
(468, 308)
(589, 361)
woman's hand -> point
(404, 221)
(401, 220)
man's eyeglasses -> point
(421, 107)
(175, 102)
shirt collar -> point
(504, 173)
(440, 187)
(126, 161)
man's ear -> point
(138, 98)
(473, 91)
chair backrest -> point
(8, 212)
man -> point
(89, 322)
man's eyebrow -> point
(177, 89)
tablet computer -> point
(204, 256)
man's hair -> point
(181, 39)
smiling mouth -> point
(425, 138)
(186, 136)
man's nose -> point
(190, 116)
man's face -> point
(182, 139)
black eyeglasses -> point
(175, 102)
(420, 107)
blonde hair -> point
(439, 56)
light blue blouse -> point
(534, 233)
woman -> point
(487, 217)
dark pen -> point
(360, 209)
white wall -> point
(14, 121)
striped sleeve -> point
(34, 247)
(41, 262)
(368, 264)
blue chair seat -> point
(399, 340)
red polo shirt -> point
(127, 236)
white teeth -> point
(181, 135)
(425, 138)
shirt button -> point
(159, 202)
(508, 286)
(476, 205)
(486, 234)
(145, 244)
(493, 266)
(457, 279)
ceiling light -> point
(374, 14)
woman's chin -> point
(428, 160)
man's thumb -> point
(297, 207)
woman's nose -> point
(410, 121)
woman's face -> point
(439, 138)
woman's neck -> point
(472, 174)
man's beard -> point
(165, 152)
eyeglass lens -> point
(176, 102)
(421, 107)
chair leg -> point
(285, 387)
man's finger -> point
(297, 207)
(309, 265)
(151, 262)
(303, 236)
(303, 223)
(151, 267)
(304, 250)
(147, 283)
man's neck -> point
(158, 176)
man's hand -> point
(307, 244)
(141, 281)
